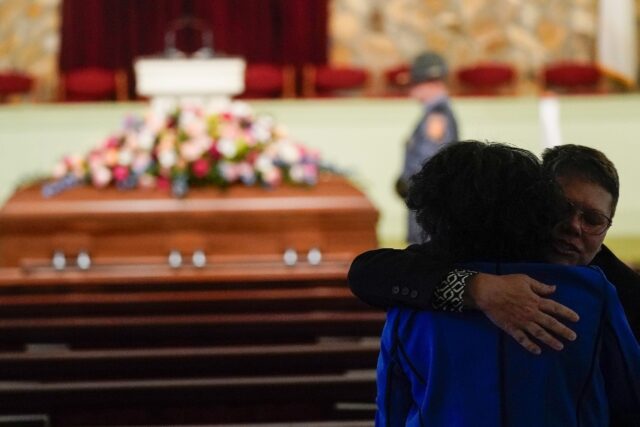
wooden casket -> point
(88, 235)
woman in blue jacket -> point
(490, 208)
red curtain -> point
(280, 31)
(112, 33)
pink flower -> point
(201, 168)
(111, 142)
(120, 173)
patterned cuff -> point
(448, 296)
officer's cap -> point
(428, 66)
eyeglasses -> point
(591, 221)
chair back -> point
(269, 81)
(486, 78)
(93, 84)
(329, 81)
(14, 83)
(572, 77)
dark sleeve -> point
(627, 284)
(620, 363)
(398, 277)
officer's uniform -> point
(436, 128)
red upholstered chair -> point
(486, 78)
(572, 77)
(93, 84)
(328, 81)
(14, 83)
(396, 80)
(269, 81)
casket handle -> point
(175, 259)
(58, 261)
(290, 257)
(199, 259)
(83, 260)
(314, 256)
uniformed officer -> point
(436, 128)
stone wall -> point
(377, 34)
(30, 40)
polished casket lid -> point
(104, 234)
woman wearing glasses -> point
(590, 184)
(493, 203)
(517, 304)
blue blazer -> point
(458, 369)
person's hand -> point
(515, 303)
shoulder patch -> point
(435, 127)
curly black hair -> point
(482, 201)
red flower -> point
(163, 183)
(215, 154)
(201, 168)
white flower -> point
(141, 162)
(289, 152)
(125, 157)
(228, 148)
(264, 164)
(101, 176)
(191, 151)
(229, 171)
(240, 109)
(296, 173)
(192, 123)
(272, 177)
(60, 170)
(167, 158)
(145, 139)
(204, 142)
(261, 132)
(155, 121)
(131, 140)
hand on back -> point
(518, 305)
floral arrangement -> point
(191, 147)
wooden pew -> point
(42, 303)
(56, 364)
(290, 398)
(188, 353)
